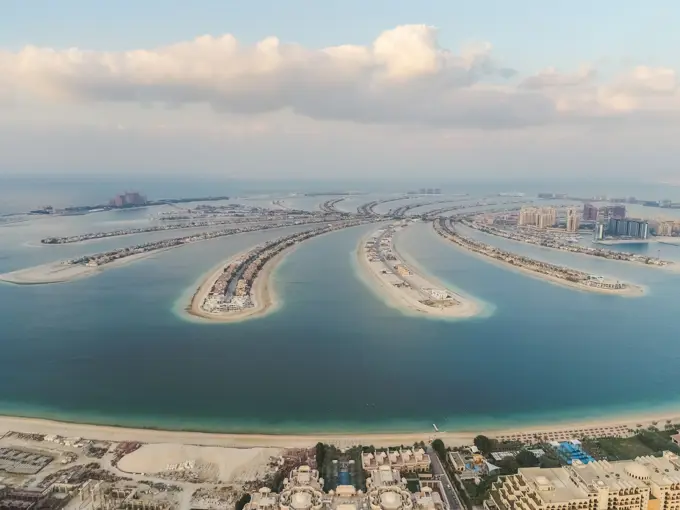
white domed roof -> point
(637, 471)
(301, 500)
(390, 500)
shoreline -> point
(631, 291)
(460, 437)
(264, 298)
(402, 300)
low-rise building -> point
(403, 460)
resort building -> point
(429, 499)
(402, 460)
(385, 491)
(646, 483)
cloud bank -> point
(404, 77)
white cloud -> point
(404, 78)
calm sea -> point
(116, 348)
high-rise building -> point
(547, 217)
(128, 199)
(573, 220)
(599, 232)
(589, 212)
(665, 228)
(528, 216)
(544, 217)
(618, 212)
(636, 229)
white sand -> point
(229, 463)
(57, 272)
(407, 300)
(462, 437)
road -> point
(439, 472)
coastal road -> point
(439, 472)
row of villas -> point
(541, 239)
(246, 269)
(646, 483)
(536, 266)
(386, 490)
(103, 258)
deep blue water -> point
(116, 348)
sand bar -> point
(380, 277)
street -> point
(440, 472)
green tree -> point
(439, 447)
(320, 456)
(484, 444)
(549, 462)
(243, 501)
(525, 458)
(508, 466)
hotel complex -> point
(386, 490)
(646, 483)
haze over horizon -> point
(303, 90)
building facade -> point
(573, 220)
(646, 483)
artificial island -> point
(235, 290)
(402, 285)
(241, 288)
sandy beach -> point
(629, 291)
(407, 300)
(58, 272)
(263, 295)
(452, 438)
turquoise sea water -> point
(116, 348)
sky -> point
(334, 90)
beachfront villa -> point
(386, 490)
(646, 483)
(403, 460)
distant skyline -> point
(357, 90)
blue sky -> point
(503, 88)
(532, 33)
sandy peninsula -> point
(410, 299)
(262, 294)
(629, 290)
(61, 272)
